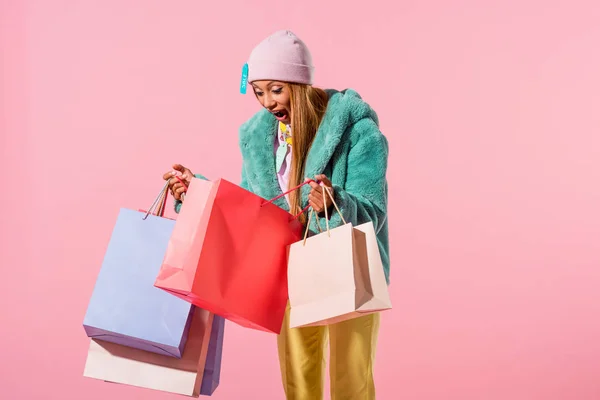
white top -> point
(283, 174)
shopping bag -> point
(212, 369)
(125, 307)
(228, 254)
(336, 275)
(188, 375)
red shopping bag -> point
(228, 254)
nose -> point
(269, 102)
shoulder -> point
(348, 106)
(348, 111)
(260, 121)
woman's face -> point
(275, 97)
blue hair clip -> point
(244, 82)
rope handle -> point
(312, 211)
(184, 185)
(159, 203)
(326, 190)
(182, 182)
(275, 198)
(305, 209)
(290, 191)
(161, 200)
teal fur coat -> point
(349, 149)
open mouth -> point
(280, 114)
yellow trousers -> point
(351, 358)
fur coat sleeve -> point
(364, 196)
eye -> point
(256, 92)
(278, 90)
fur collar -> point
(257, 137)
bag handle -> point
(328, 191)
(312, 211)
(159, 203)
(184, 185)
(273, 199)
(290, 191)
(162, 199)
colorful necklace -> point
(284, 144)
(285, 133)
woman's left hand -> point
(315, 197)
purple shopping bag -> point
(212, 368)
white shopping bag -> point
(121, 364)
(336, 275)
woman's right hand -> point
(176, 188)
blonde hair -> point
(308, 105)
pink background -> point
(492, 112)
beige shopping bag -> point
(336, 275)
(121, 364)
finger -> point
(323, 179)
(317, 191)
(188, 174)
(182, 181)
(173, 182)
(168, 175)
(313, 184)
(185, 176)
(176, 187)
(180, 168)
(317, 201)
(177, 191)
(315, 196)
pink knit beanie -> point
(281, 57)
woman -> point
(334, 138)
